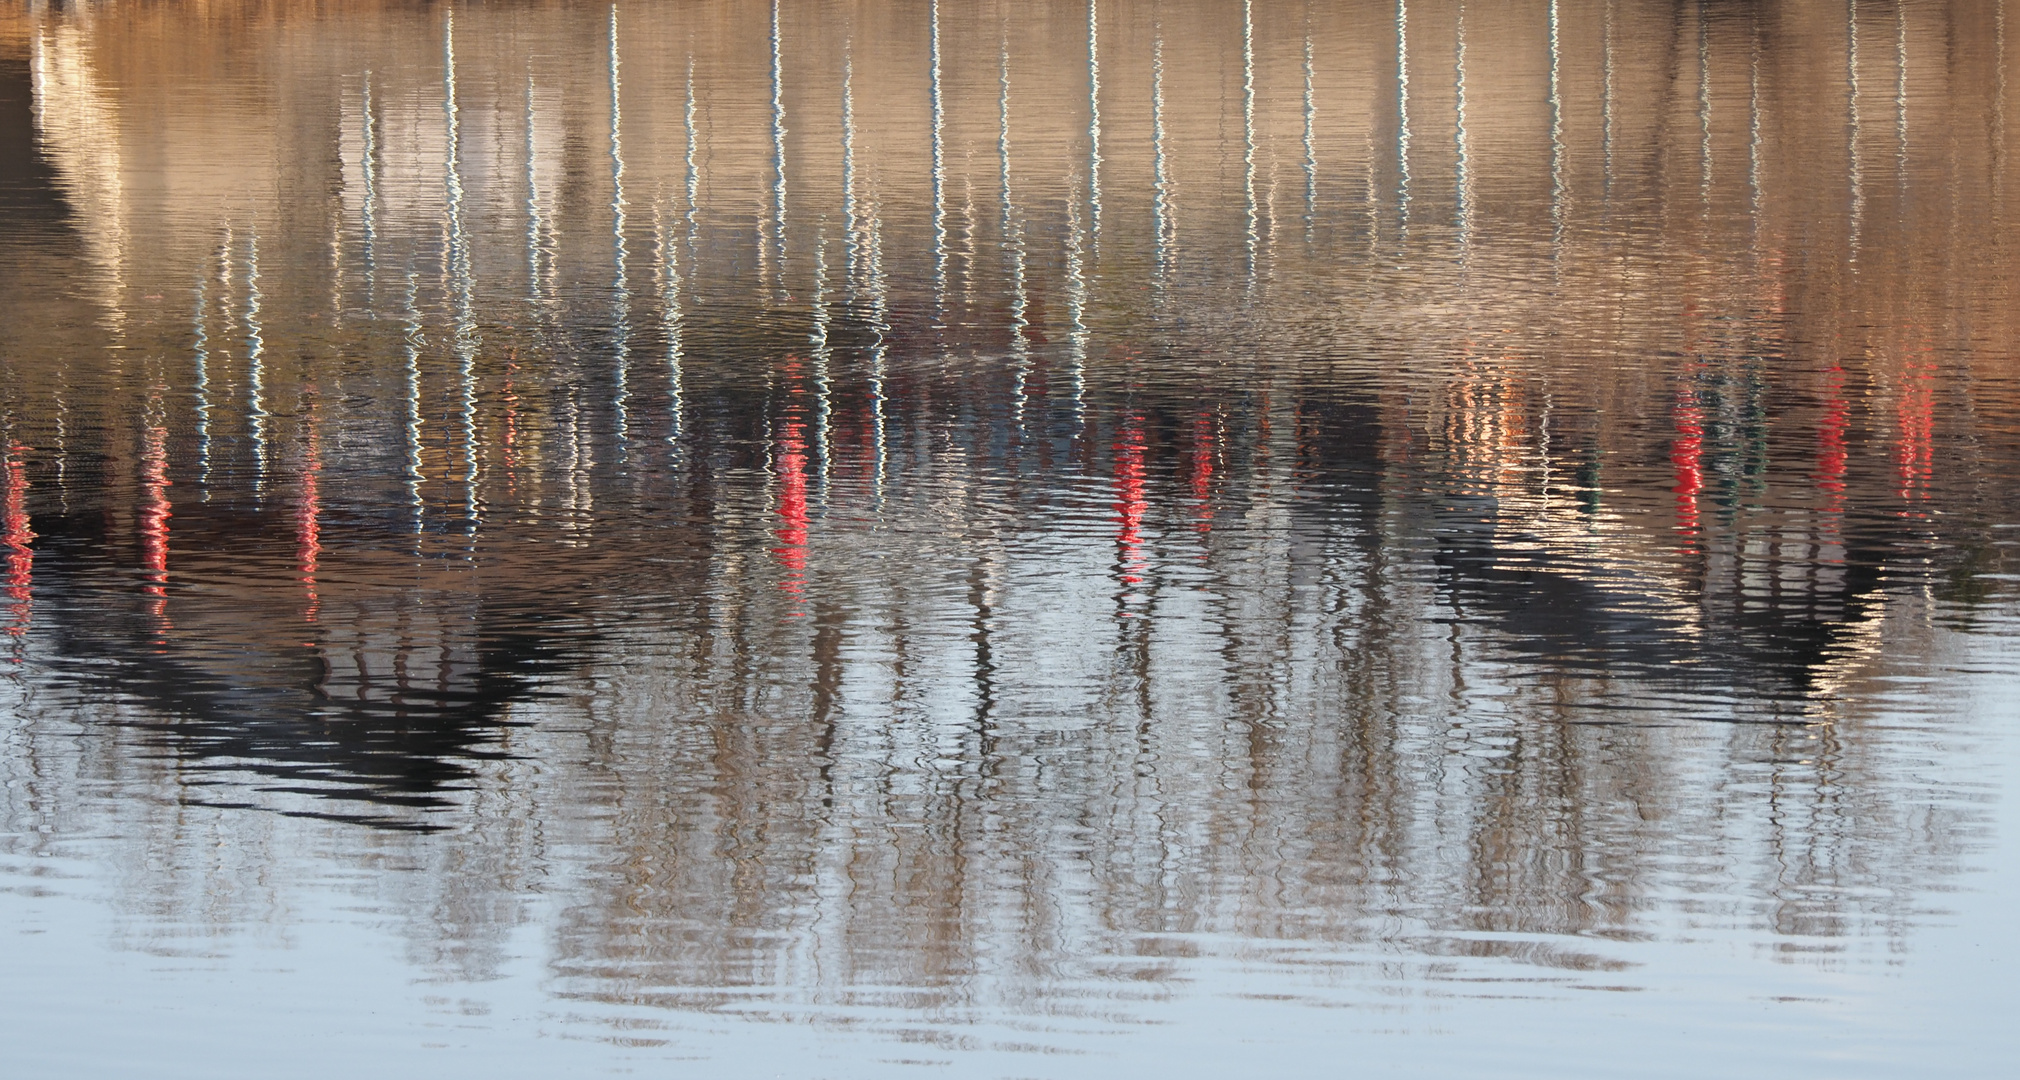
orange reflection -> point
(1205, 451)
(1831, 439)
(1686, 453)
(1129, 500)
(308, 520)
(16, 538)
(1913, 456)
(155, 512)
(789, 463)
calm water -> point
(1044, 540)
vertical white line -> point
(1855, 162)
(534, 225)
(1311, 137)
(1901, 92)
(1077, 302)
(463, 300)
(620, 253)
(1753, 125)
(693, 176)
(1160, 156)
(1704, 162)
(1557, 192)
(1606, 100)
(778, 148)
(411, 427)
(370, 168)
(1094, 119)
(850, 217)
(939, 171)
(1248, 129)
(673, 324)
(1403, 112)
(255, 362)
(823, 356)
(201, 352)
(1013, 239)
(1464, 186)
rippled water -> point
(1037, 540)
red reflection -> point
(15, 538)
(1913, 456)
(789, 463)
(1129, 500)
(309, 522)
(1686, 453)
(154, 515)
(1831, 439)
(1205, 450)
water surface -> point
(1024, 540)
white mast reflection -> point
(536, 224)
(939, 171)
(1606, 101)
(1901, 96)
(672, 323)
(1704, 162)
(1855, 164)
(1311, 141)
(370, 168)
(1076, 305)
(778, 150)
(1463, 190)
(411, 425)
(201, 355)
(1160, 158)
(461, 280)
(621, 284)
(1403, 113)
(824, 353)
(850, 218)
(693, 176)
(1753, 127)
(1557, 192)
(227, 305)
(880, 307)
(255, 362)
(1248, 129)
(1094, 120)
(1013, 236)
(1311, 136)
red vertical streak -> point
(1129, 501)
(789, 464)
(1831, 440)
(1205, 449)
(155, 513)
(1686, 453)
(1914, 456)
(309, 523)
(16, 538)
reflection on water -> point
(928, 517)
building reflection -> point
(624, 453)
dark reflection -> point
(943, 512)
(29, 199)
(373, 703)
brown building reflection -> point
(925, 506)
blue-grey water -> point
(1121, 538)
